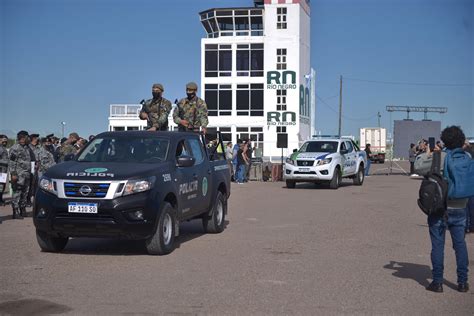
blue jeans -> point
(240, 173)
(367, 168)
(456, 223)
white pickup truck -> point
(326, 160)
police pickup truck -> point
(326, 160)
(133, 185)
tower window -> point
(281, 18)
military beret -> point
(192, 86)
(159, 86)
(49, 136)
(34, 135)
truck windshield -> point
(125, 149)
(319, 146)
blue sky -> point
(68, 60)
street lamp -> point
(62, 129)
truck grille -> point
(90, 190)
(305, 163)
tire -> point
(216, 223)
(162, 240)
(360, 176)
(290, 184)
(49, 243)
(336, 179)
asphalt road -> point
(306, 251)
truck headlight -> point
(138, 185)
(290, 161)
(324, 161)
(47, 185)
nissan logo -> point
(85, 190)
(305, 163)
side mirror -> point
(295, 150)
(69, 157)
(344, 151)
(185, 161)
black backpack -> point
(433, 192)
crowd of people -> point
(28, 159)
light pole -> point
(62, 129)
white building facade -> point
(254, 62)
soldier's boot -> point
(16, 214)
(23, 212)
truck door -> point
(202, 173)
(186, 186)
(352, 158)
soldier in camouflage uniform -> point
(3, 165)
(156, 110)
(21, 157)
(36, 148)
(191, 112)
(45, 158)
(68, 147)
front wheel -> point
(336, 179)
(359, 177)
(216, 223)
(290, 184)
(49, 243)
(162, 240)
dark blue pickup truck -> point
(133, 185)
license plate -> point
(88, 208)
(304, 169)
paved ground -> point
(357, 250)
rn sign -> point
(281, 118)
(281, 80)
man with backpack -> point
(450, 213)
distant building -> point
(253, 66)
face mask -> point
(156, 95)
(191, 95)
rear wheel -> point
(50, 243)
(216, 223)
(162, 241)
(359, 177)
(290, 184)
(336, 179)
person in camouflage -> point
(36, 148)
(156, 110)
(3, 165)
(45, 158)
(67, 149)
(191, 112)
(21, 157)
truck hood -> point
(311, 156)
(102, 171)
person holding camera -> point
(191, 112)
(453, 220)
(156, 110)
(20, 166)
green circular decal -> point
(96, 170)
(204, 186)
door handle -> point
(195, 176)
(209, 171)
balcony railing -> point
(125, 110)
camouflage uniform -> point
(66, 149)
(46, 161)
(34, 177)
(21, 157)
(3, 168)
(194, 111)
(157, 111)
